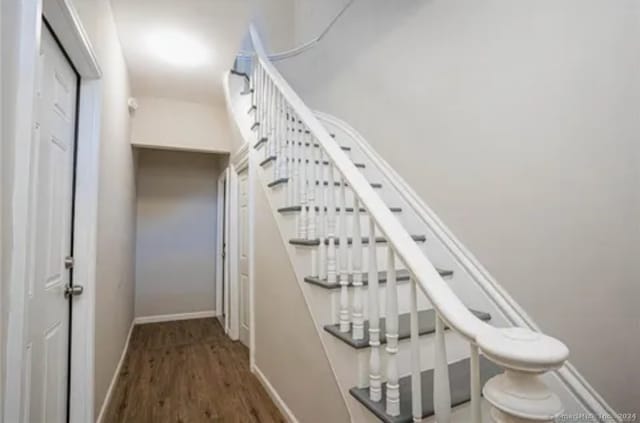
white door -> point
(243, 254)
(47, 344)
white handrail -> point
(519, 350)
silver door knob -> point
(73, 291)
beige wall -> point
(174, 124)
(116, 215)
(288, 350)
(176, 232)
(517, 122)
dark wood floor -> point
(189, 372)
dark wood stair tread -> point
(365, 240)
(290, 209)
(459, 375)
(426, 325)
(401, 276)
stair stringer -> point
(472, 282)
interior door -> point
(243, 255)
(47, 344)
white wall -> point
(517, 122)
(176, 232)
(180, 125)
(116, 215)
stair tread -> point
(365, 240)
(348, 209)
(281, 181)
(459, 376)
(426, 325)
(401, 275)
(324, 162)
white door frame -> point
(222, 256)
(66, 26)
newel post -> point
(519, 395)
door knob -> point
(73, 291)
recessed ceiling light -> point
(177, 48)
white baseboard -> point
(171, 317)
(282, 406)
(114, 379)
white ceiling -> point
(218, 24)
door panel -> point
(46, 348)
(243, 250)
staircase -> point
(403, 344)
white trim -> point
(116, 373)
(176, 148)
(282, 406)
(219, 246)
(174, 317)
(65, 23)
(516, 315)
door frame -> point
(222, 259)
(65, 24)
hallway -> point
(187, 371)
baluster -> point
(322, 216)
(441, 390)
(375, 384)
(356, 261)
(344, 270)
(393, 387)
(272, 129)
(331, 228)
(416, 385)
(292, 181)
(311, 197)
(295, 165)
(303, 182)
(476, 411)
(282, 140)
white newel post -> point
(356, 260)
(393, 388)
(311, 202)
(375, 380)
(344, 266)
(519, 395)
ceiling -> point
(215, 26)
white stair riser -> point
(302, 256)
(457, 349)
(291, 221)
(279, 196)
(404, 304)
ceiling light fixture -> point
(177, 48)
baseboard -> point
(114, 379)
(171, 317)
(282, 406)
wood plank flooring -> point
(187, 372)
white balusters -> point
(322, 216)
(311, 204)
(344, 266)
(441, 389)
(332, 267)
(295, 163)
(291, 165)
(393, 388)
(416, 383)
(302, 228)
(282, 160)
(356, 261)
(375, 382)
(475, 408)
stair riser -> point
(457, 349)
(291, 220)
(279, 195)
(404, 303)
(303, 257)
